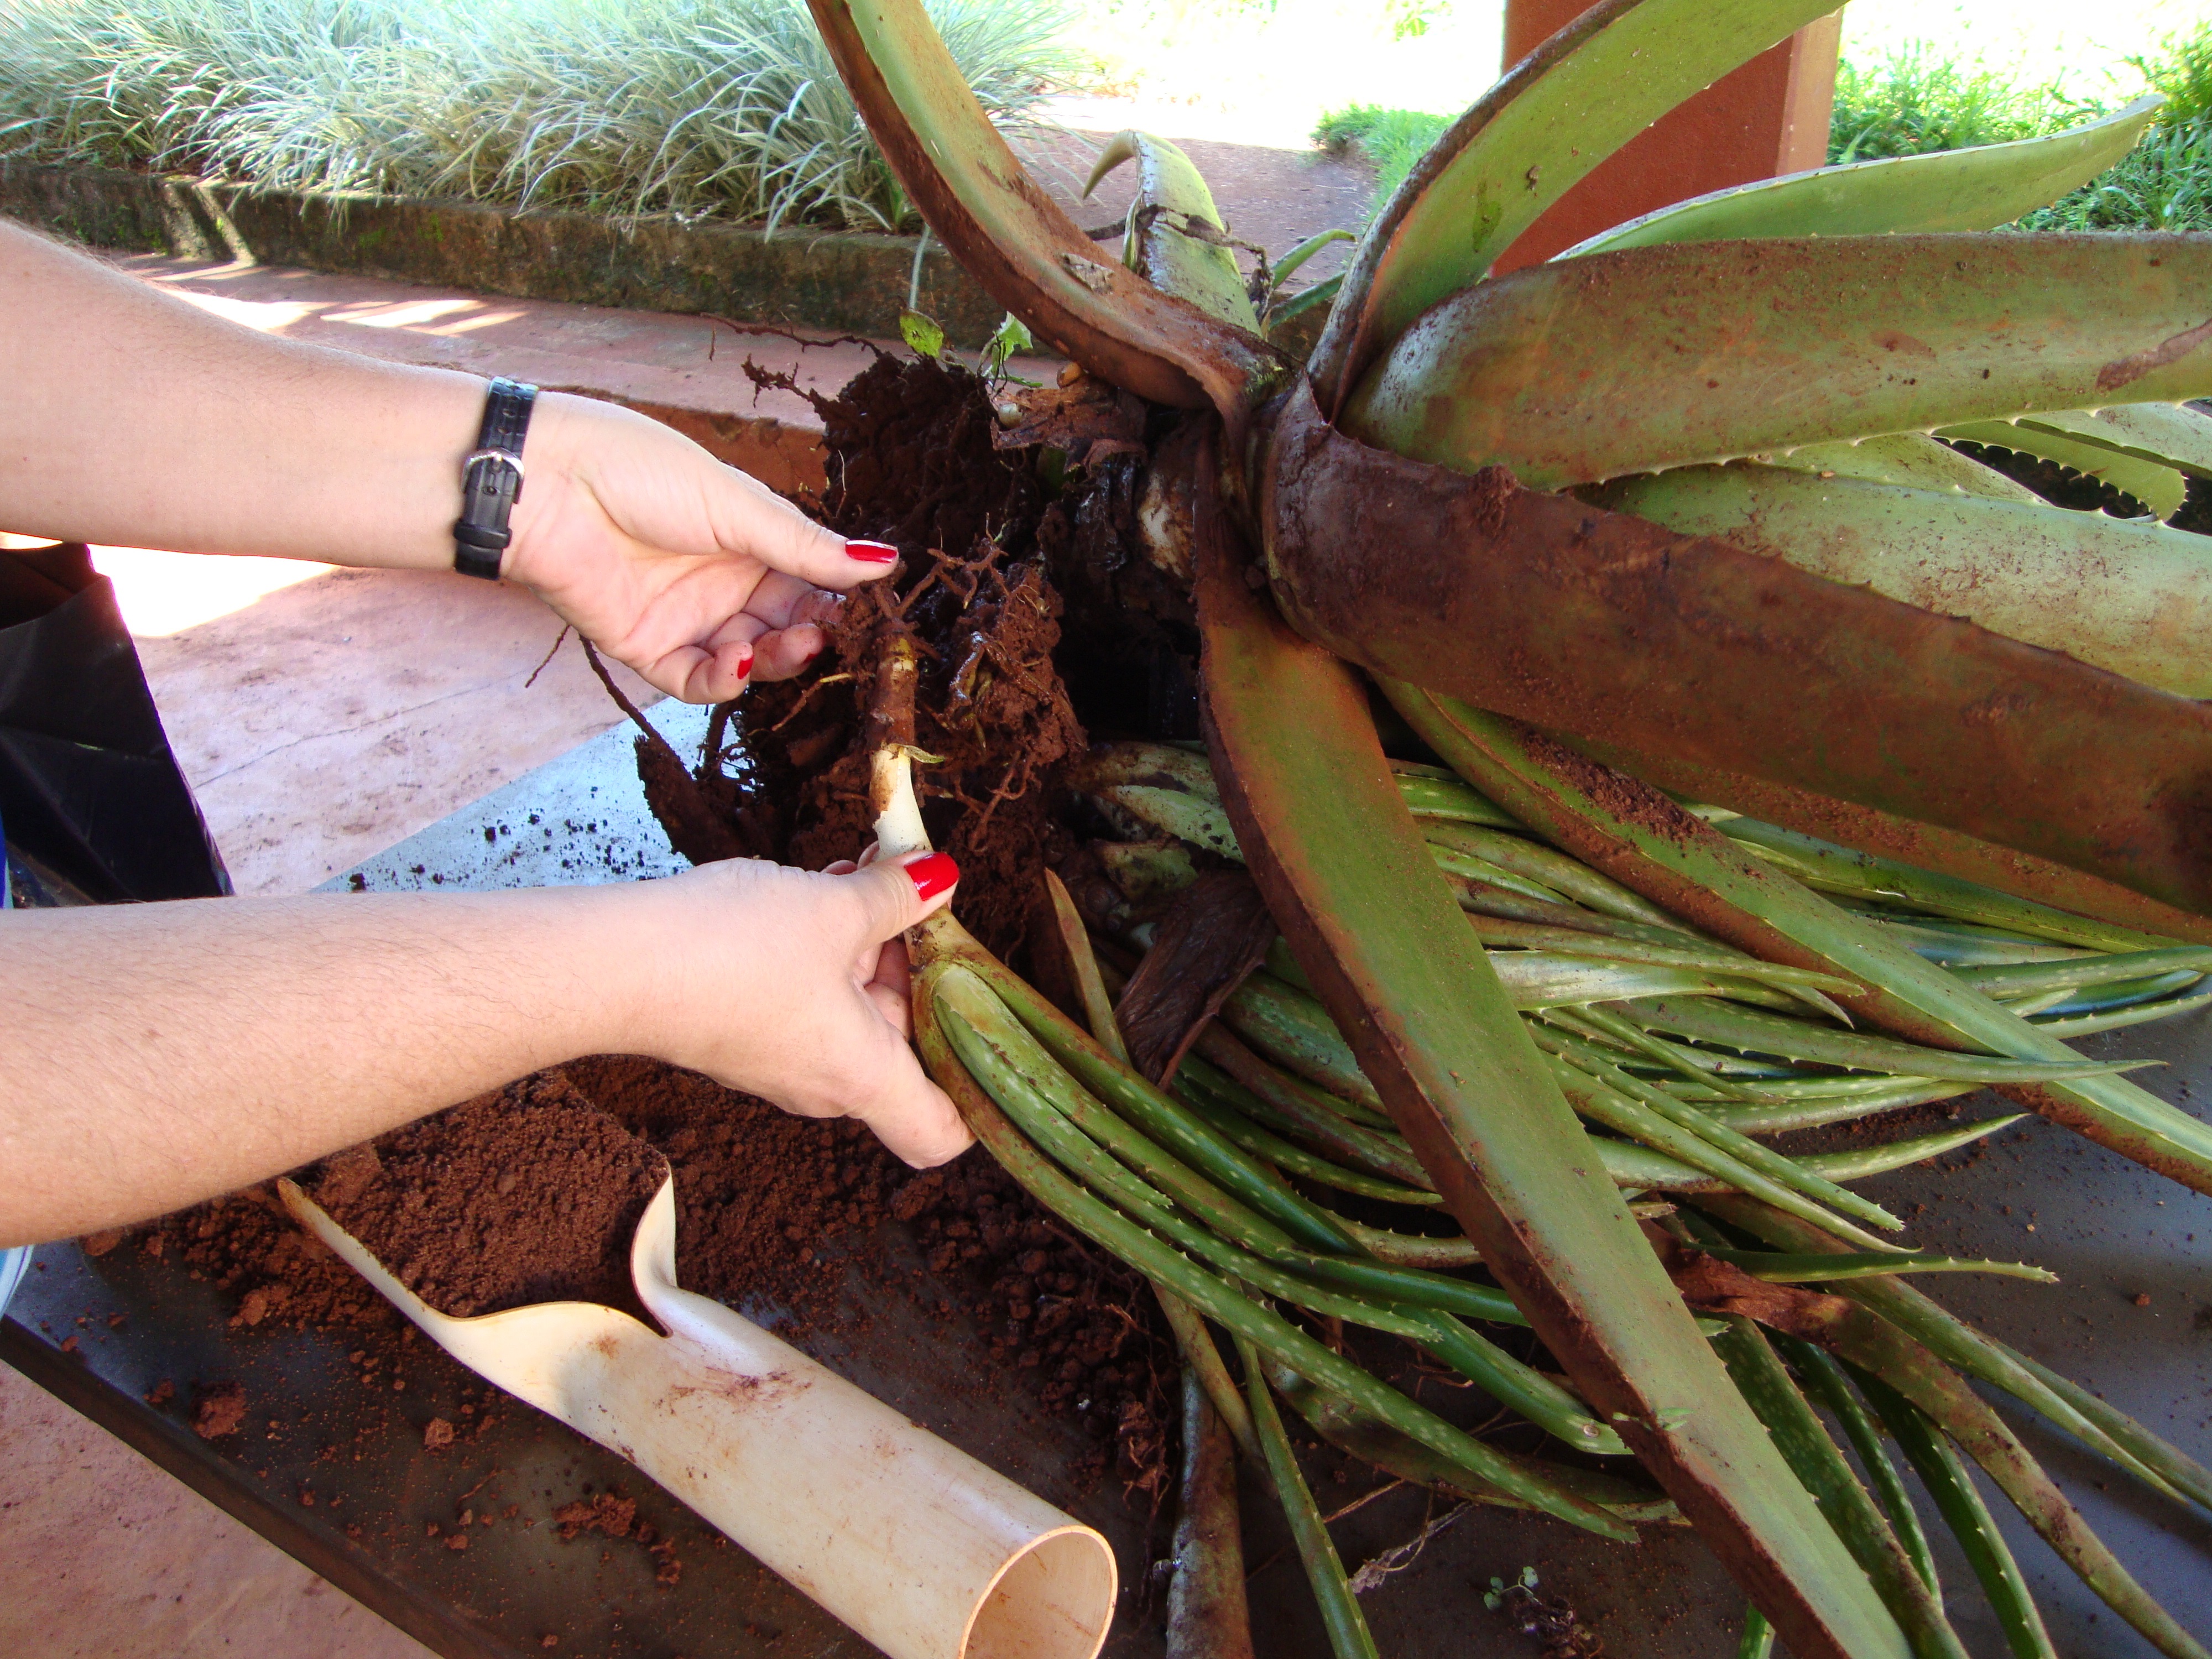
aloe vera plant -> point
(1452, 495)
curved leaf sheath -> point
(1588, 369)
(1011, 237)
(1978, 189)
(1348, 876)
(1550, 119)
(1171, 195)
(1556, 612)
(2130, 596)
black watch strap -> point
(492, 479)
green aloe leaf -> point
(1960, 1501)
(1837, 832)
(1978, 189)
(1346, 873)
(2172, 435)
(1636, 1166)
(1348, 1636)
(1009, 235)
(1164, 1265)
(1871, 877)
(2130, 596)
(2061, 438)
(1176, 239)
(1740, 348)
(1553, 117)
(2148, 450)
(1640, 839)
(1952, 1340)
(1912, 460)
(1873, 1345)
(1345, 1424)
(1817, 1463)
(1824, 1377)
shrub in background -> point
(1913, 102)
(1391, 139)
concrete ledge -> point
(842, 280)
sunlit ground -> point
(162, 593)
(1264, 71)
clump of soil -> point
(218, 1410)
(247, 1245)
(530, 1195)
(616, 1517)
(912, 463)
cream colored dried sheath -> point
(922, 1550)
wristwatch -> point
(491, 480)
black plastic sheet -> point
(94, 806)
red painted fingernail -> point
(871, 552)
(933, 873)
(745, 663)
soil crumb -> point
(616, 1517)
(602, 1512)
(526, 1195)
(219, 1409)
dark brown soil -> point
(997, 544)
(531, 1194)
(912, 463)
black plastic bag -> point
(94, 806)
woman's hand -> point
(697, 576)
(792, 985)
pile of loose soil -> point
(771, 1208)
(529, 1194)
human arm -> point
(158, 1054)
(134, 418)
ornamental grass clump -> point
(727, 109)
